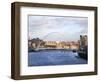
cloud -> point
(57, 28)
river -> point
(54, 57)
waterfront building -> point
(60, 45)
(50, 44)
(63, 44)
(83, 40)
(68, 45)
(36, 42)
(74, 45)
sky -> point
(57, 28)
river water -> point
(54, 57)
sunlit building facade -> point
(50, 44)
(36, 42)
(61, 45)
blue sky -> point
(57, 28)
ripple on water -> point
(45, 58)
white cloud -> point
(57, 28)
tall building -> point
(83, 40)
